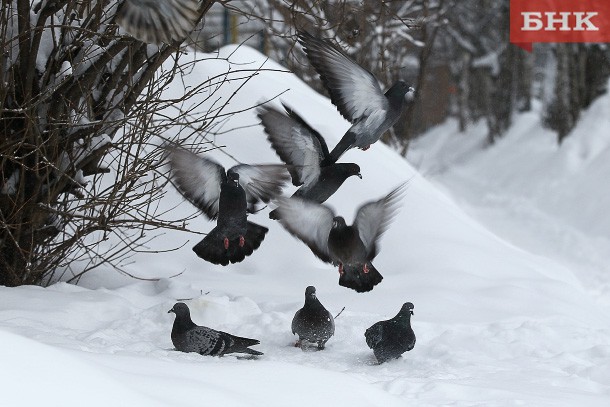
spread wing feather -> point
(198, 179)
(157, 21)
(353, 90)
(261, 182)
(373, 218)
(295, 142)
(309, 222)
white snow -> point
(509, 291)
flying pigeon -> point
(313, 323)
(225, 196)
(333, 241)
(305, 150)
(390, 339)
(188, 337)
(158, 21)
(356, 93)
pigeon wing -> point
(157, 21)
(321, 146)
(261, 182)
(198, 179)
(353, 90)
(202, 340)
(373, 218)
(309, 222)
(295, 142)
(295, 321)
(374, 335)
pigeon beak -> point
(411, 312)
(171, 310)
(359, 175)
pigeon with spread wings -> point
(353, 247)
(305, 150)
(225, 196)
(158, 21)
(356, 93)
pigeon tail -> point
(354, 277)
(347, 141)
(274, 215)
(241, 345)
(212, 247)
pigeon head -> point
(180, 309)
(401, 90)
(349, 169)
(310, 292)
(338, 222)
(233, 177)
(407, 308)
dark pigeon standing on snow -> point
(333, 241)
(226, 196)
(306, 153)
(313, 323)
(390, 339)
(158, 21)
(356, 93)
(188, 337)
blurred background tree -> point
(455, 53)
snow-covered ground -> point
(510, 286)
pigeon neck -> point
(403, 317)
(396, 96)
(183, 323)
(312, 302)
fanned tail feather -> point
(212, 247)
(355, 278)
(274, 214)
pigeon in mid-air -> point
(158, 21)
(313, 323)
(353, 247)
(305, 150)
(188, 337)
(356, 93)
(225, 197)
(390, 339)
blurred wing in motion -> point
(353, 90)
(309, 222)
(261, 182)
(198, 179)
(158, 21)
(373, 218)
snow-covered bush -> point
(77, 158)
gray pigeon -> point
(188, 337)
(353, 247)
(313, 323)
(225, 196)
(390, 339)
(306, 153)
(356, 93)
(158, 21)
